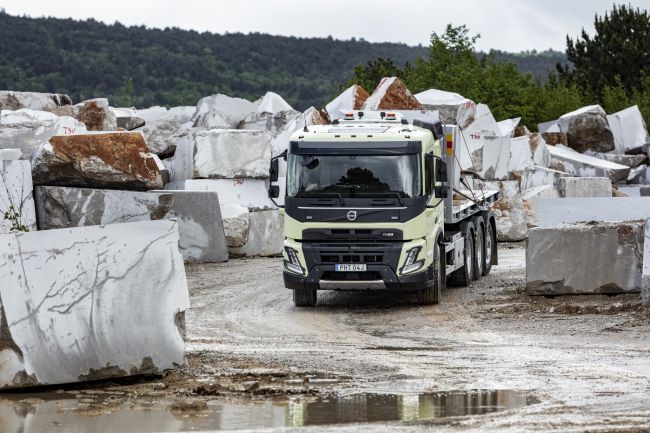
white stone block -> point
(222, 153)
(483, 131)
(265, 236)
(645, 291)
(454, 109)
(573, 210)
(221, 111)
(10, 100)
(535, 176)
(509, 211)
(531, 200)
(17, 210)
(629, 129)
(250, 193)
(640, 175)
(10, 154)
(550, 126)
(635, 190)
(584, 259)
(578, 164)
(92, 303)
(584, 187)
(351, 99)
(236, 224)
(626, 160)
(508, 126)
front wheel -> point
(430, 295)
(304, 298)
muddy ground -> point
(377, 362)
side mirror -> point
(440, 191)
(274, 191)
(438, 132)
(274, 170)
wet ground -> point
(488, 358)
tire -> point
(479, 250)
(463, 276)
(430, 295)
(304, 298)
(490, 246)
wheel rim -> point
(488, 247)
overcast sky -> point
(511, 25)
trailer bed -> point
(464, 208)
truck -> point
(378, 201)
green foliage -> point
(143, 67)
(13, 216)
(616, 57)
(368, 76)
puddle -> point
(57, 415)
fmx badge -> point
(352, 215)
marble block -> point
(91, 303)
(17, 210)
(265, 235)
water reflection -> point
(71, 416)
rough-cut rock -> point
(528, 151)
(629, 129)
(550, 126)
(96, 115)
(236, 224)
(273, 114)
(221, 111)
(531, 199)
(508, 126)
(555, 138)
(584, 259)
(509, 211)
(163, 128)
(453, 108)
(392, 94)
(28, 129)
(265, 236)
(222, 153)
(17, 211)
(10, 100)
(635, 190)
(10, 154)
(587, 128)
(63, 207)
(539, 176)
(118, 160)
(109, 299)
(577, 164)
(352, 98)
(127, 118)
(250, 193)
(483, 132)
(640, 175)
(521, 131)
(200, 226)
(572, 210)
(645, 292)
(310, 117)
(631, 161)
(584, 187)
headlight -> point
(411, 265)
(293, 264)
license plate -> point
(351, 268)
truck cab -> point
(365, 210)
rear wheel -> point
(490, 246)
(479, 251)
(304, 298)
(463, 276)
(430, 295)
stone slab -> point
(629, 129)
(265, 236)
(578, 164)
(200, 225)
(222, 153)
(591, 258)
(584, 187)
(63, 207)
(453, 108)
(17, 209)
(250, 193)
(635, 190)
(531, 198)
(640, 175)
(10, 100)
(626, 160)
(92, 303)
(572, 210)
(645, 292)
(509, 211)
(535, 176)
(221, 111)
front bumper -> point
(388, 280)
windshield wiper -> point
(387, 194)
(320, 194)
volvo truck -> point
(377, 201)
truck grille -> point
(352, 258)
(366, 235)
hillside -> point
(142, 66)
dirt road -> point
(386, 364)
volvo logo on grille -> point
(352, 215)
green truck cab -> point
(370, 204)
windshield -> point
(353, 175)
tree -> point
(618, 55)
(368, 76)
